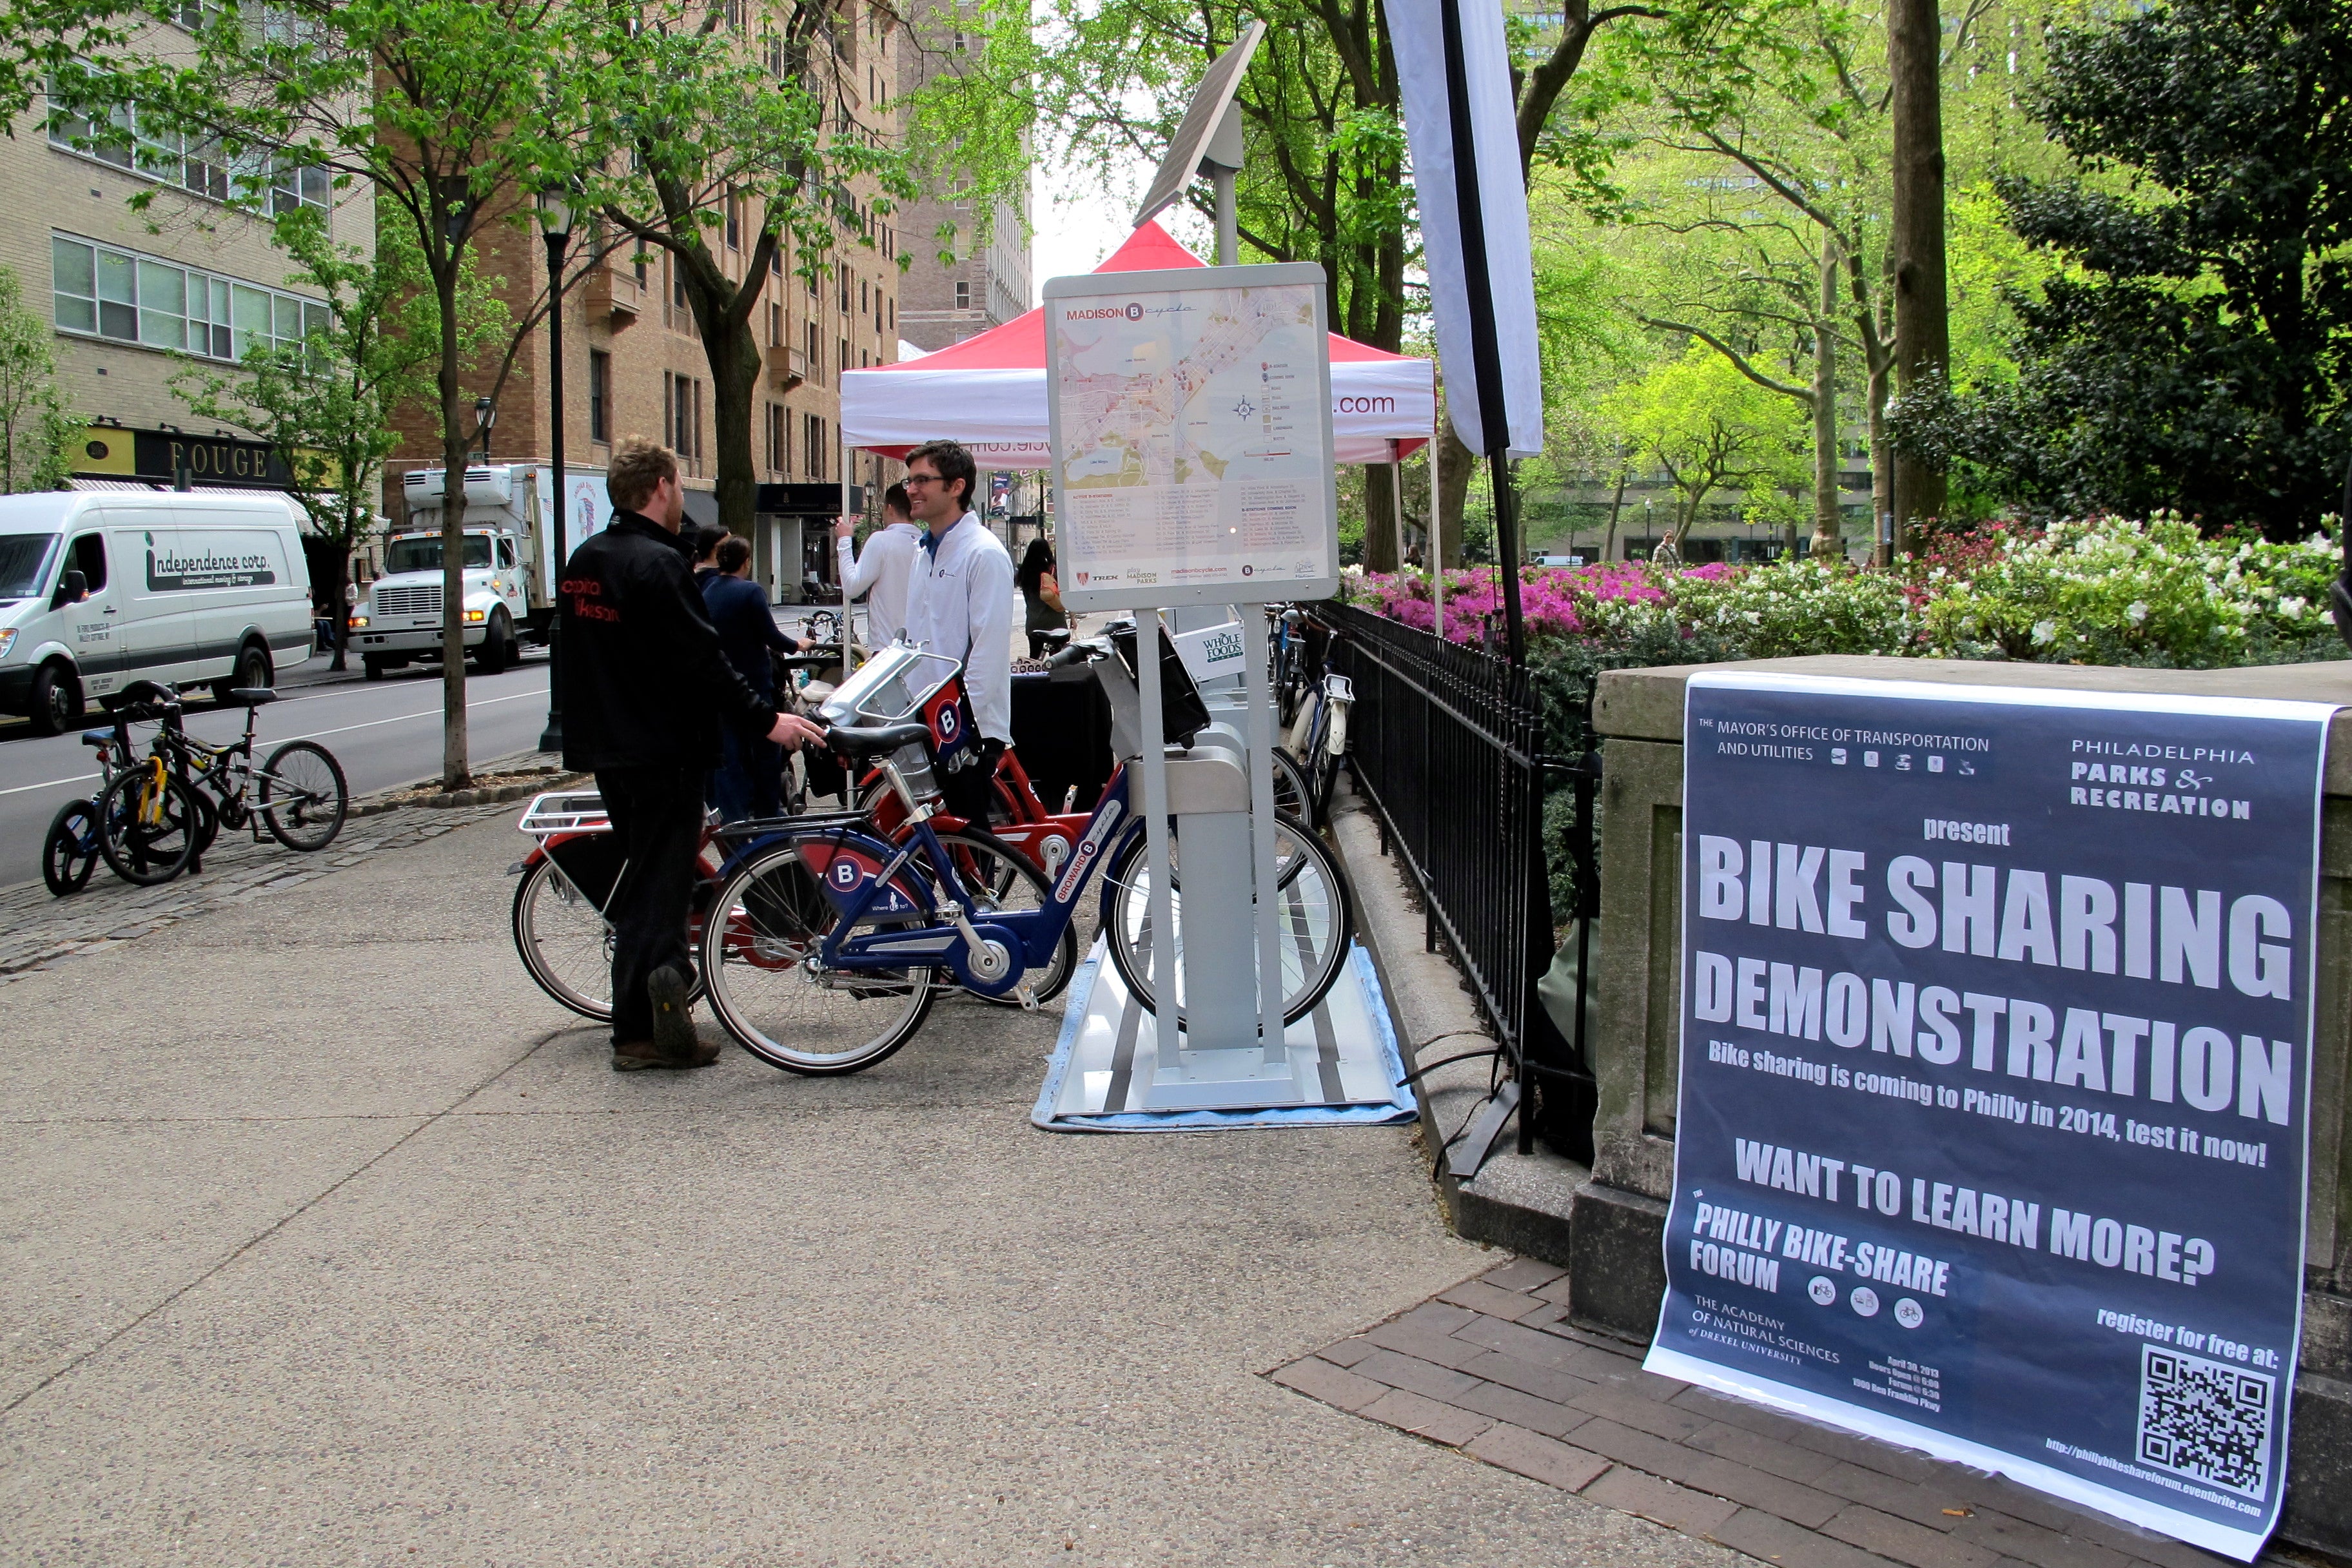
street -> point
(385, 732)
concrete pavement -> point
(327, 1238)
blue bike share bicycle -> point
(827, 943)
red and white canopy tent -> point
(989, 391)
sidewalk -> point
(1492, 1368)
(325, 1239)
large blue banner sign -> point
(1996, 1027)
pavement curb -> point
(1518, 1201)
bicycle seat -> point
(866, 740)
(252, 696)
(98, 737)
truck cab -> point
(507, 598)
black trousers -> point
(658, 816)
(970, 792)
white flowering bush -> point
(2114, 591)
(1803, 606)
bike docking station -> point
(1192, 472)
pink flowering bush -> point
(1559, 603)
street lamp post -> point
(555, 225)
(485, 414)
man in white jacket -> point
(881, 573)
(960, 602)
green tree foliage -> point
(445, 108)
(2194, 356)
(746, 136)
(327, 405)
(35, 425)
(1709, 428)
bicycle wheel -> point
(757, 947)
(1290, 794)
(564, 942)
(1000, 881)
(302, 796)
(1315, 915)
(70, 852)
(147, 831)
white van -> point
(97, 590)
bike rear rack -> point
(564, 811)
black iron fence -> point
(1447, 742)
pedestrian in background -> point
(645, 687)
(881, 573)
(751, 765)
(1041, 591)
(705, 541)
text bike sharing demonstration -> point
(1990, 1138)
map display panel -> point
(1191, 436)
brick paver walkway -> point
(1489, 1368)
(38, 929)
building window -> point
(600, 394)
(775, 325)
(682, 419)
(779, 451)
(734, 205)
(812, 445)
(843, 361)
(815, 358)
(193, 163)
(133, 299)
(844, 292)
(293, 185)
(963, 296)
(894, 315)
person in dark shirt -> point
(704, 541)
(751, 766)
(647, 686)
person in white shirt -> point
(960, 602)
(882, 572)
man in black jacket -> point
(646, 687)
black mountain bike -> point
(70, 852)
(157, 816)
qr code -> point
(2206, 1420)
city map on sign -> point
(1192, 445)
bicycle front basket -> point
(891, 685)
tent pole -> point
(1396, 499)
(841, 446)
(1436, 518)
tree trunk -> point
(733, 353)
(1882, 472)
(1922, 324)
(1616, 504)
(1454, 480)
(1827, 521)
(455, 447)
(339, 615)
(1380, 518)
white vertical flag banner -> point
(1453, 67)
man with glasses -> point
(960, 602)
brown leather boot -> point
(637, 1056)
